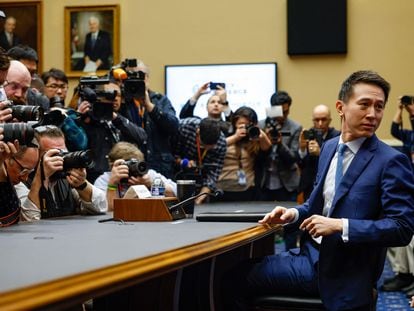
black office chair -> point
(287, 303)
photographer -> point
(107, 129)
(154, 113)
(237, 179)
(406, 136)
(58, 191)
(310, 144)
(216, 105)
(128, 168)
(280, 173)
(17, 82)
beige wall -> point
(190, 31)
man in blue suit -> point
(348, 223)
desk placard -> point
(148, 209)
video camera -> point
(91, 89)
(133, 81)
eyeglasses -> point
(23, 170)
(54, 86)
(15, 86)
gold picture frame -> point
(28, 29)
(82, 55)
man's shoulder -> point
(292, 124)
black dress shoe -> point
(401, 280)
(408, 288)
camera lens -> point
(406, 100)
(57, 102)
(27, 113)
(77, 159)
(136, 168)
(23, 132)
(253, 132)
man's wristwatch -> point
(82, 186)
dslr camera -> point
(407, 100)
(25, 113)
(136, 167)
(314, 134)
(76, 159)
(91, 89)
(275, 129)
(253, 132)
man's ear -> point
(339, 106)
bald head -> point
(321, 117)
(17, 82)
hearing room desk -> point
(56, 264)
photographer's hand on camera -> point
(141, 180)
(119, 171)
(52, 162)
(313, 148)
(5, 112)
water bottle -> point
(157, 187)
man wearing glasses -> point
(16, 164)
(56, 84)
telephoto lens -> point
(77, 159)
(21, 131)
(25, 113)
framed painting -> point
(24, 21)
(91, 39)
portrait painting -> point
(22, 25)
(91, 39)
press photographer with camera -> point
(280, 176)
(60, 187)
(202, 143)
(406, 136)
(17, 82)
(244, 144)
(103, 124)
(217, 105)
(128, 168)
(310, 144)
(153, 112)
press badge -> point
(242, 177)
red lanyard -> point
(141, 111)
(200, 157)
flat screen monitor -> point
(247, 84)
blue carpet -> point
(386, 300)
(391, 300)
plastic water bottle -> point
(157, 187)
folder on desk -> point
(231, 216)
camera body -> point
(91, 89)
(275, 129)
(314, 134)
(407, 100)
(136, 167)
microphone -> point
(215, 194)
(184, 163)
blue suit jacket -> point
(376, 194)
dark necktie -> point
(93, 40)
(339, 165)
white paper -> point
(137, 191)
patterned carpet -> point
(391, 300)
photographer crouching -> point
(59, 187)
(310, 143)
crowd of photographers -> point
(115, 131)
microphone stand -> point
(183, 203)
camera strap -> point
(200, 156)
(141, 111)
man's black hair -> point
(22, 51)
(55, 73)
(209, 131)
(280, 98)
